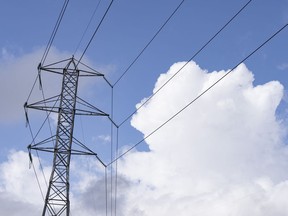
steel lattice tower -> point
(57, 200)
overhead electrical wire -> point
(45, 54)
(87, 27)
(96, 30)
(117, 127)
(113, 123)
(117, 157)
(106, 193)
(47, 49)
(33, 86)
(111, 148)
(200, 50)
(38, 182)
(40, 164)
(137, 57)
(42, 125)
(49, 44)
(48, 113)
(116, 172)
(31, 161)
(39, 78)
(56, 27)
(34, 137)
(151, 40)
(200, 95)
(117, 146)
(41, 168)
(117, 81)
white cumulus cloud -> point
(18, 185)
(223, 155)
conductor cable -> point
(155, 35)
(200, 95)
(200, 50)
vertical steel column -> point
(57, 200)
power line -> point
(56, 27)
(40, 164)
(34, 136)
(116, 172)
(111, 149)
(200, 95)
(89, 23)
(155, 35)
(49, 44)
(96, 30)
(38, 182)
(200, 50)
(33, 86)
(106, 192)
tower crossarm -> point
(67, 105)
(57, 68)
(57, 199)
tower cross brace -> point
(57, 201)
(58, 189)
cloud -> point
(18, 186)
(20, 194)
(17, 75)
(283, 66)
(104, 138)
(223, 155)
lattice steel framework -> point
(57, 200)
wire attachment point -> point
(26, 114)
(39, 75)
(30, 156)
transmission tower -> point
(57, 200)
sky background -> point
(225, 154)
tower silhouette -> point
(63, 144)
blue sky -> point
(128, 27)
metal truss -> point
(57, 200)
